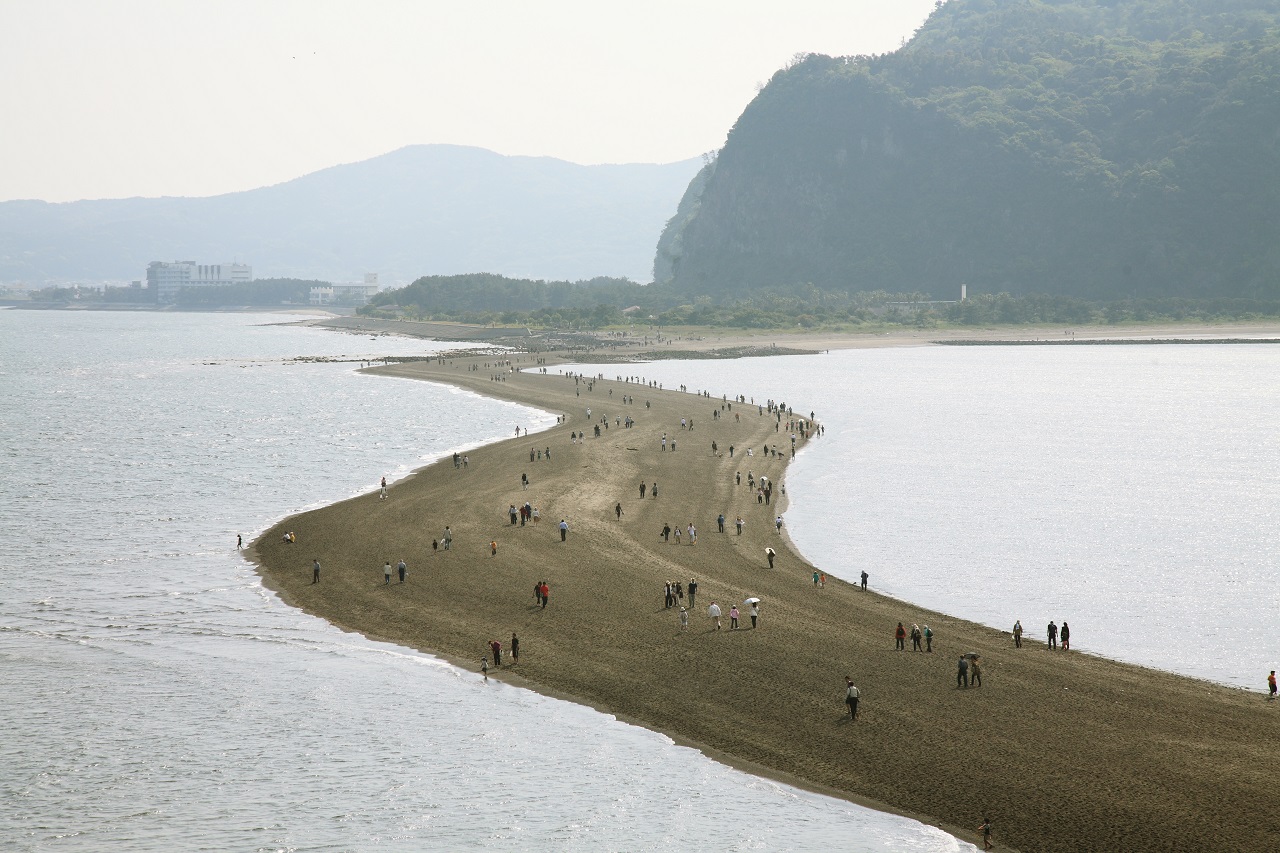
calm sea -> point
(1130, 491)
(156, 697)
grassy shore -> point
(1064, 751)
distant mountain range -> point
(1104, 149)
(421, 210)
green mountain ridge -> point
(1104, 149)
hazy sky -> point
(112, 98)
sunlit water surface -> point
(156, 697)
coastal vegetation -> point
(262, 292)
(1110, 150)
(486, 299)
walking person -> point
(739, 523)
(714, 612)
(1017, 633)
(546, 594)
(315, 571)
(1053, 635)
(928, 639)
(985, 829)
(865, 576)
(769, 554)
(975, 673)
(1271, 685)
(962, 672)
(755, 613)
(447, 539)
(617, 510)
(693, 590)
(916, 637)
(733, 618)
(401, 568)
(900, 638)
(537, 592)
(1065, 635)
(564, 529)
(720, 522)
(684, 619)
(383, 496)
(815, 579)
(851, 696)
(239, 542)
(386, 573)
(515, 648)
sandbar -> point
(1064, 751)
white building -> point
(346, 294)
(166, 278)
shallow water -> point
(156, 697)
(1130, 491)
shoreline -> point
(787, 729)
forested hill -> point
(1099, 148)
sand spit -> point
(1065, 751)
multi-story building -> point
(346, 294)
(166, 278)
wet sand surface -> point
(1063, 750)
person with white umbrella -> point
(753, 608)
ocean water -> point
(156, 697)
(1131, 491)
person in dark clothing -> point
(864, 581)
(900, 638)
(496, 647)
(962, 672)
(1065, 636)
(515, 648)
(1053, 635)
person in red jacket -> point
(901, 636)
(546, 594)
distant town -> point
(179, 284)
